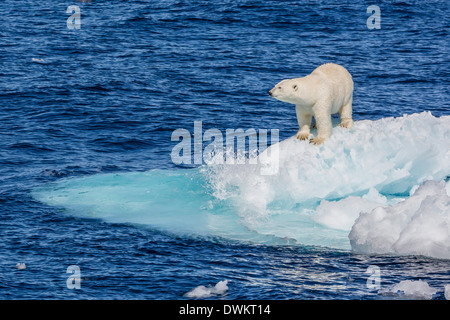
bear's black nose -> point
(270, 92)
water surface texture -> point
(87, 179)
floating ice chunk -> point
(21, 266)
(447, 291)
(413, 289)
(206, 292)
(38, 60)
(381, 159)
(419, 225)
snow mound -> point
(419, 225)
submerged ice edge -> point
(377, 162)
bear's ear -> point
(295, 87)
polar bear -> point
(327, 90)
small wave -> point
(117, 144)
(30, 147)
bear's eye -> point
(294, 86)
(279, 87)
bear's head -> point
(286, 91)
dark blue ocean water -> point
(107, 97)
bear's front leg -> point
(304, 121)
(301, 135)
(324, 127)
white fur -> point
(327, 90)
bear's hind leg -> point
(346, 115)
